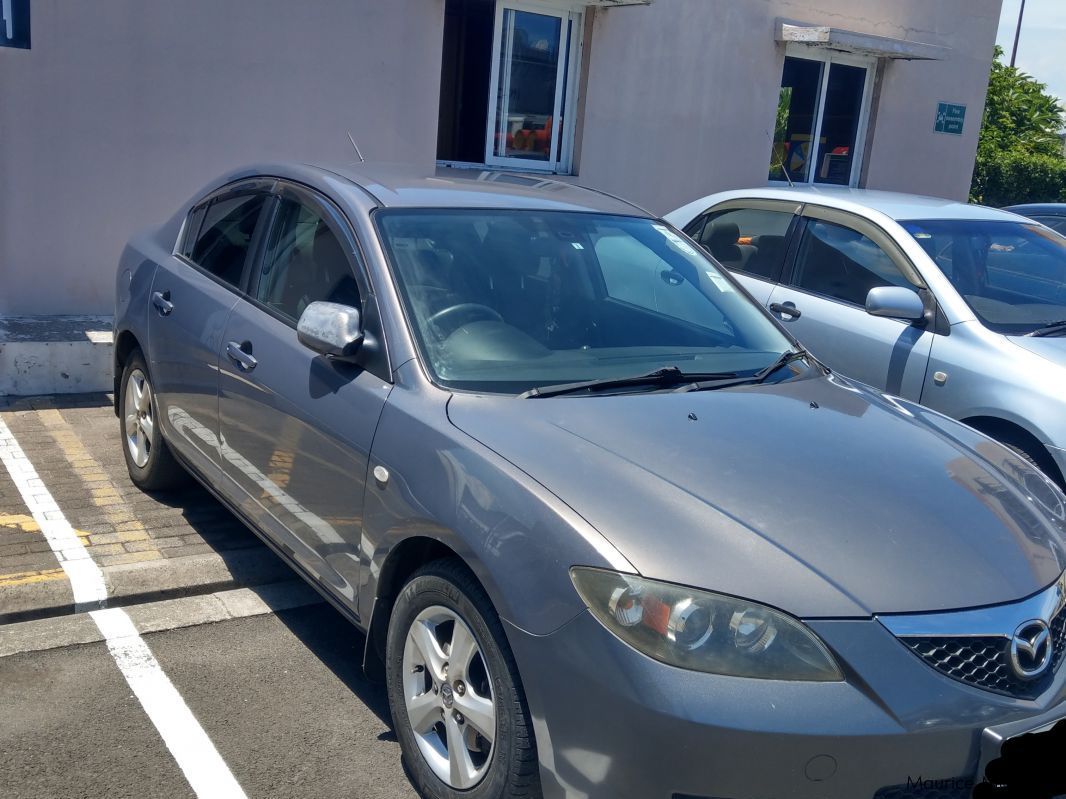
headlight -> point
(702, 631)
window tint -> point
(192, 229)
(842, 263)
(226, 236)
(305, 263)
(749, 240)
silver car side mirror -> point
(895, 302)
(330, 329)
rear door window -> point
(225, 237)
(749, 240)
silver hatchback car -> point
(959, 307)
(609, 531)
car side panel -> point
(510, 530)
(974, 372)
(884, 353)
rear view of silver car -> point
(959, 307)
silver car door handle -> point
(241, 355)
(162, 303)
(786, 309)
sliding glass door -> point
(534, 55)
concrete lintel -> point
(790, 31)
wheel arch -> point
(403, 560)
(125, 343)
(1005, 430)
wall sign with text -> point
(950, 118)
(15, 23)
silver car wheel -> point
(138, 417)
(448, 693)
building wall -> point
(681, 94)
(124, 108)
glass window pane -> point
(226, 235)
(305, 263)
(797, 106)
(529, 67)
(748, 240)
(840, 124)
(1013, 275)
(839, 262)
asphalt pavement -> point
(204, 655)
(282, 697)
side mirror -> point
(895, 302)
(331, 329)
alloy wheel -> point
(448, 694)
(138, 417)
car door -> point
(297, 427)
(749, 238)
(192, 295)
(837, 259)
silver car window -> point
(1012, 274)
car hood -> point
(813, 495)
(1051, 348)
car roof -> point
(895, 205)
(1052, 209)
(407, 186)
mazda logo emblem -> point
(1030, 649)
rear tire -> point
(151, 464)
(452, 698)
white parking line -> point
(203, 767)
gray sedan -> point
(609, 530)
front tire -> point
(151, 464)
(454, 691)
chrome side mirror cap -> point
(330, 329)
(895, 302)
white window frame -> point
(565, 96)
(828, 59)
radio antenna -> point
(784, 168)
(356, 146)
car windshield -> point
(1012, 274)
(507, 300)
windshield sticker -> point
(719, 281)
(675, 239)
(576, 245)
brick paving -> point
(74, 443)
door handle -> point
(162, 303)
(786, 309)
(241, 355)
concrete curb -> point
(171, 614)
(54, 354)
(149, 581)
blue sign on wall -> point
(950, 118)
(15, 23)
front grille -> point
(985, 661)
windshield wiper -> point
(1050, 329)
(786, 357)
(667, 376)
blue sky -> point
(1042, 47)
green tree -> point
(1019, 153)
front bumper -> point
(613, 723)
